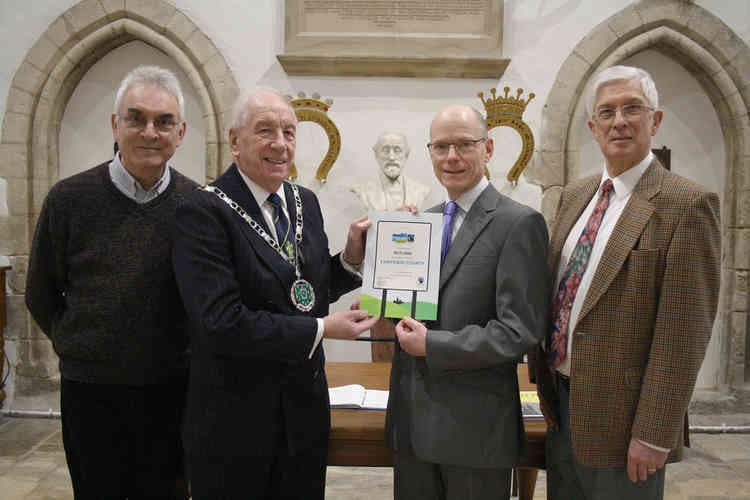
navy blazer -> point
(250, 373)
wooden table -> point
(358, 436)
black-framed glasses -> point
(629, 112)
(463, 147)
(138, 121)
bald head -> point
(460, 148)
(465, 114)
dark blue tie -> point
(450, 209)
(280, 221)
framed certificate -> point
(402, 265)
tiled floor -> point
(32, 466)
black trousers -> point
(568, 479)
(414, 479)
(122, 441)
(239, 475)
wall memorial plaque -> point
(410, 38)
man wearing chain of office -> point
(254, 270)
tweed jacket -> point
(647, 317)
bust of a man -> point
(392, 189)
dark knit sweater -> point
(100, 282)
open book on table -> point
(530, 406)
(356, 396)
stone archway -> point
(720, 61)
(40, 90)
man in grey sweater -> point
(100, 285)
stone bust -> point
(392, 189)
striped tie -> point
(282, 224)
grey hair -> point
(241, 114)
(155, 77)
(390, 132)
(627, 73)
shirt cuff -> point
(653, 446)
(318, 337)
(355, 270)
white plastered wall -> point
(538, 38)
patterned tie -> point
(566, 292)
(282, 225)
(450, 209)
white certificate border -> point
(420, 221)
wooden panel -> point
(664, 155)
(383, 351)
(358, 436)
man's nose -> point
(278, 140)
(149, 130)
(452, 152)
(619, 119)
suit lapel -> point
(234, 187)
(575, 201)
(291, 206)
(625, 235)
(475, 221)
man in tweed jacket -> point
(642, 314)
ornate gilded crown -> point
(314, 102)
(496, 106)
(312, 109)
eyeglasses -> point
(629, 112)
(464, 147)
(139, 122)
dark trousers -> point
(122, 441)
(414, 479)
(568, 479)
(235, 475)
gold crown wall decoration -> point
(505, 105)
(312, 109)
(508, 111)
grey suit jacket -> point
(459, 405)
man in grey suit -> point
(454, 415)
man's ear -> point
(181, 131)
(488, 150)
(115, 126)
(657, 118)
(234, 142)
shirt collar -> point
(624, 183)
(125, 181)
(259, 193)
(467, 199)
